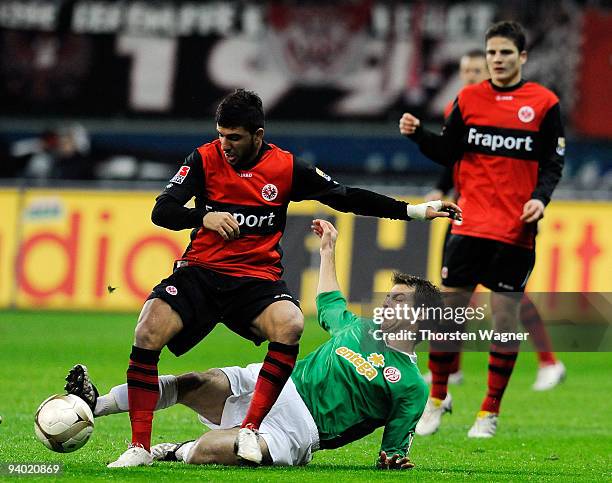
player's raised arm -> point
(328, 281)
(444, 148)
(312, 184)
(169, 210)
(332, 312)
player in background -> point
(231, 270)
(505, 139)
(342, 391)
(473, 70)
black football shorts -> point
(468, 261)
(204, 298)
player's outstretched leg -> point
(551, 371)
(213, 447)
(116, 400)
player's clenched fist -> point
(408, 124)
(223, 223)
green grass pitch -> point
(564, 434)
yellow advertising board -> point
(574, 248)
(91, 249)
(9, 207)
(99, 250)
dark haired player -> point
(506, 138)
(551, 371)
(231, 270)
(342, 391)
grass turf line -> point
(560, 434)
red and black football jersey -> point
(257, 196)
(508, 146)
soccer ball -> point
(63, 423)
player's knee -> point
(157, 324)
(147, 337)
(291, 329)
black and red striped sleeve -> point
(444, 148)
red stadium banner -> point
(593, 113)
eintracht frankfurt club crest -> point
(526, 114)
(269, 192)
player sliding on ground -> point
(344, 390)
(242, 187)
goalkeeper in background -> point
(359, 380)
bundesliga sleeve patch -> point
(180, 176)
(561, 146)
(325, 176)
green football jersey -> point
(354, 384)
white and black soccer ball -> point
(63, 423)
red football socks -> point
(531, 320)
(501, 364)
(143, 392)
(440, 364)
(276, 369)
(456, 364)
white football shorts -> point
(289, 429)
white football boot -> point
(432, 416)
(133, 456)
(453, 377)
(549, 376)
(247, 446)
(485, 425)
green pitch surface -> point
(561, 434)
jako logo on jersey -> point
(392, 374)
(495, 141)
(181, 175)
(504, 98)
(171, 289)
(269, 192)
(362, 366)
(526, 114)
(245, 174)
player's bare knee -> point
(157, 324)
(290, 331)
(146, 337)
